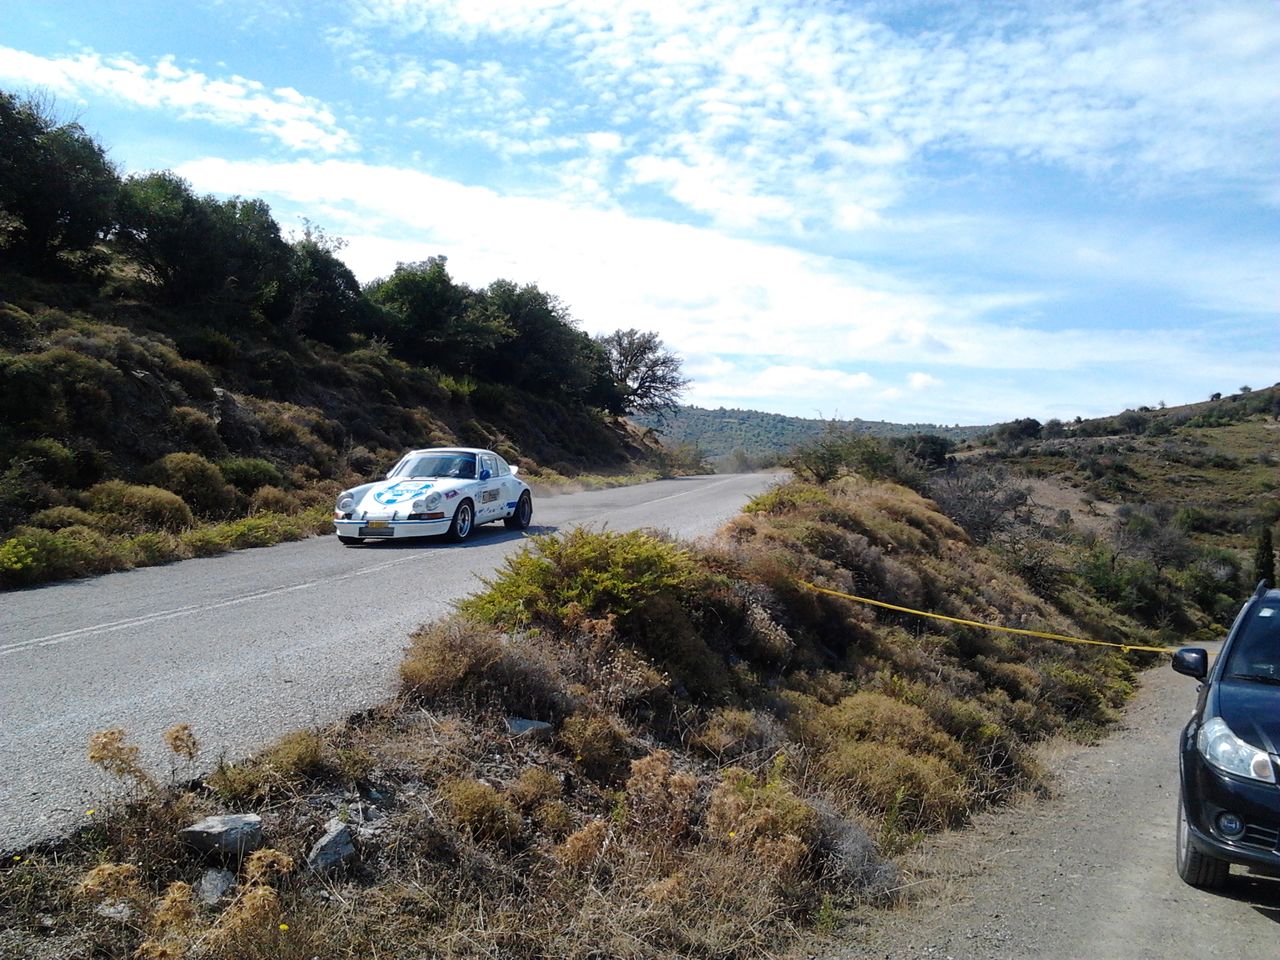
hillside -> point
(731, 437)
(1181, 488)
(177, 378)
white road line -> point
(111, 627)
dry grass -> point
(622, 834)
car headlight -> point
(346, 503)
(429, 502)
(1228, 752)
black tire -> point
(350, 541)
(1196, 868)
(524, 513)
(464, 521)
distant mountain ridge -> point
(721, 432)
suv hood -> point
(1252, 711)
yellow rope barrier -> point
(1126, 647)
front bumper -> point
(1208, 792)
(371, 529)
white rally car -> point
(445, 490)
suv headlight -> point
(1225, 750)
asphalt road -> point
(250, 645)
(1088, 875)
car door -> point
(489, 502)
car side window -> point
(503, 469)
(487, 463)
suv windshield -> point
(1256, 654)
(461, 465)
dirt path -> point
(1087, 875)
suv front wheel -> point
(1196, 868)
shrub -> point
(32, 555)
(563, 579)
(56, 518)
(297, 755)
(597, 745)
(50, 460)
(153, 548)
(199, 482)
(918, 791)
(269, 499)
(659, 801)
(247, 474)
(764, 816)
(583, 848)
(140, 507)
(732, 732)
(197, 429)
(482, 811)
(534, 787)
(458, 657)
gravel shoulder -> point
(1087, 874)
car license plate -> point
(378, 524)
(373, 530)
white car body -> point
(423, 495)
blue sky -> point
(912, 210)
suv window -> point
(1257, 649)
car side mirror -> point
(485, 474)
(1192, 661)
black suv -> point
(1229, 806)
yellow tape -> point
(1126, 647)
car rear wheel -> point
(350, 541)
(1196, 868)
(524, 513)
(463, 520)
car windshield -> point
(1256, 654)
(461, 465)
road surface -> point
(1087, 875)
(250, 645)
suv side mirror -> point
(1192, 661)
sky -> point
(909, 210)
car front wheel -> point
(463, 520)
(1196, 868)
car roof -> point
(414, 453)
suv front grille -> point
(1256, 835)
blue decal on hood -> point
(401, 492)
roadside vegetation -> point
(179, 377)
(723, 760)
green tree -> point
(197, 248)
(57, 187)
(433, 320)
(328, 303)
(547, 354)
(1264, 558)
(647, 373)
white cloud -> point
(298, 122)
(791, 112)
(922, 381)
